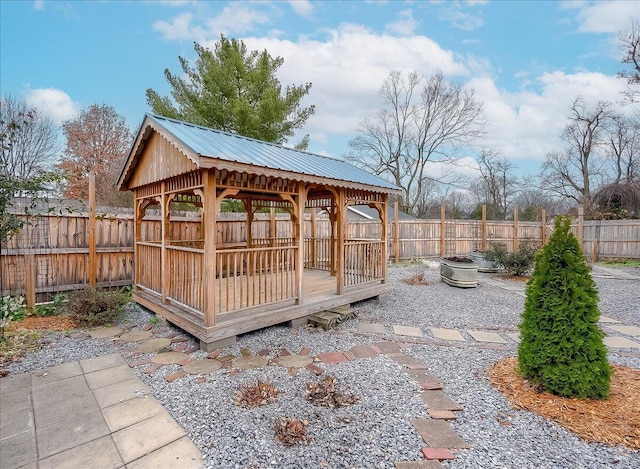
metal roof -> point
(231, 147)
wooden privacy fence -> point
(54, 252)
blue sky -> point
(526, 61)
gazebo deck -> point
(319, 294)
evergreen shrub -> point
(561, 348)
(516, 263)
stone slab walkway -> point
(88, 413)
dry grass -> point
(418, 279)
(51, 323)
(250, 395)
(325, 394)
(615, 421)
(291, 431)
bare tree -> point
(623, 147)
(498, 184)
(412, 131)
(630, 44)
(98, 140)
(34, 144)
(572, 172)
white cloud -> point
(405, 25)
(235, 18)
(526, 125)
(54, 103)
(38, 5)
(605, 17)
(461, 19)
(347, 68)
(303, 8)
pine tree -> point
(561, 348)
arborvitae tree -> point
(561, 348)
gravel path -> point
(375, 432)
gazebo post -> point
(299, 234)
(340, 232)
(385, 246)
(164, 232)
(209, 213)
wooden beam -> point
(314, 241)
(515, 229)
(385, 237)
(543, 227)
(580, 225)
(91, 265)
(211, 205)
(483, 229)
(30, 281)
(299, 240)
(341, 215)
(396, 232)
(164, 230)
(442, 228)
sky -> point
(526, 61)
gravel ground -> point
(375, 432)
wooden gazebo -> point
(214, 286)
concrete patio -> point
(89, 413)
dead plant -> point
(250, 395)
(291, 431)
(325, 394)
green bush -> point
(92, 307)
(561, 348)
(516, 263)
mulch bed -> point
(52, 323)
(615, 421)
(515, 278)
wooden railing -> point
(363, 261)
(256, 276)
(185, 271)
(149, 260)
(317, 253)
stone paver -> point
(407, 330)
(388, 347)
(147, 436)
(85, 456)
(130, 412)
(102, 378)
(438, 434)
(333, 357)
(442, 415)
(154, 345)
(438, 400)
(173, 376)
(180, 454)
(620, 342)
(483, 336)
(418, 465)
(202, 367)
(605, 319)
(423, 376)
(120, 392)
(249, 363)
(410, 362)
(363, 351)
(295, 361)
(105, 332)
(136, 336)
(627, 330)
(446, 334)
(171, 358)
(441, 454)
(102, 363)
(56, 373)
(371, 328)
(515, 336)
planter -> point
(459, 272)
(483, 264)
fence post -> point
(580, 225)
(543, 227)
(30, 281)
(596, 242)
(396, 233)
(484, 228)
(515, 228)
(442, 228)
(91, 266)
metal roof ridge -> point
(189, 124)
